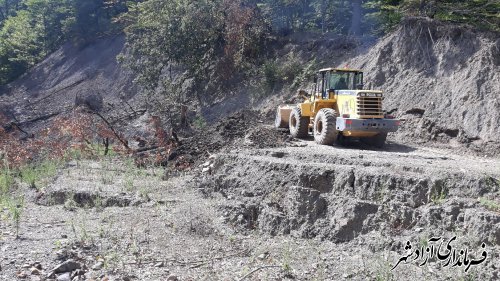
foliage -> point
(32, 29)
(210, 39)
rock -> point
(262, 256)
(38, 265)
(206, 164)
(26, 265)
(76, 273)
(159, 264)
(172, 278)
(21, 275)
(35, 271)
(98, 266)
(67, 266)
(64, 277)
(205, 170)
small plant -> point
(129, 184)
(6, 178)
(107, 178)
(439, 192)
(15, 209)
(384, 272)
(490, 204)
(36, 175)
(70, 204)
(199, 122)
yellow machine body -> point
(357, 112)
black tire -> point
(299, 125)
(376, 141)
(278, 122)
(325, 122)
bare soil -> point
(334, 213)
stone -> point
(35, 271)
(159, 264)
(67, 266)
(21, 275)
(205, 170)
(64, 277)
(172, 278)
(98, 266)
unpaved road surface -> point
(298, 212)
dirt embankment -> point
(443, 80)
(73, 75)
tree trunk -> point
(323, 15)
(356, 18)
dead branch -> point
(258, 269)
(125, 144)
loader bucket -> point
(283, 115)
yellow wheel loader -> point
(338, 109)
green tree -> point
(209, 39)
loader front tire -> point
(299, 125)
(325, 131)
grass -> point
(439, 192)
(490, 204)
(38, 175)
(15, 207)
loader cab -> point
(330, 80)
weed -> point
(439, 192)
(384, 272)
(491, 182)
(15, 209)
(6, 178)
(37, 175)
(70, 204)
(199, 122)
(129, 183)
(107, 178)
(286, 267)
(144, 193)
(490, 204)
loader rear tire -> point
(299, 125)
(279, 122)
(325, 131)
(376, 141)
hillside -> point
(229, 197)
(444, 80)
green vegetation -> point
(214, 40)
(490, 204)
(36, 175)
(32, 29)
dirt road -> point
(301, 211)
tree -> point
(356, 18)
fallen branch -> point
(125, 144)
(258, 269)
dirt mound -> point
(244, 128)
(442, 79)
(71, 76)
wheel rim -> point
(294, 122)
(319, 127)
